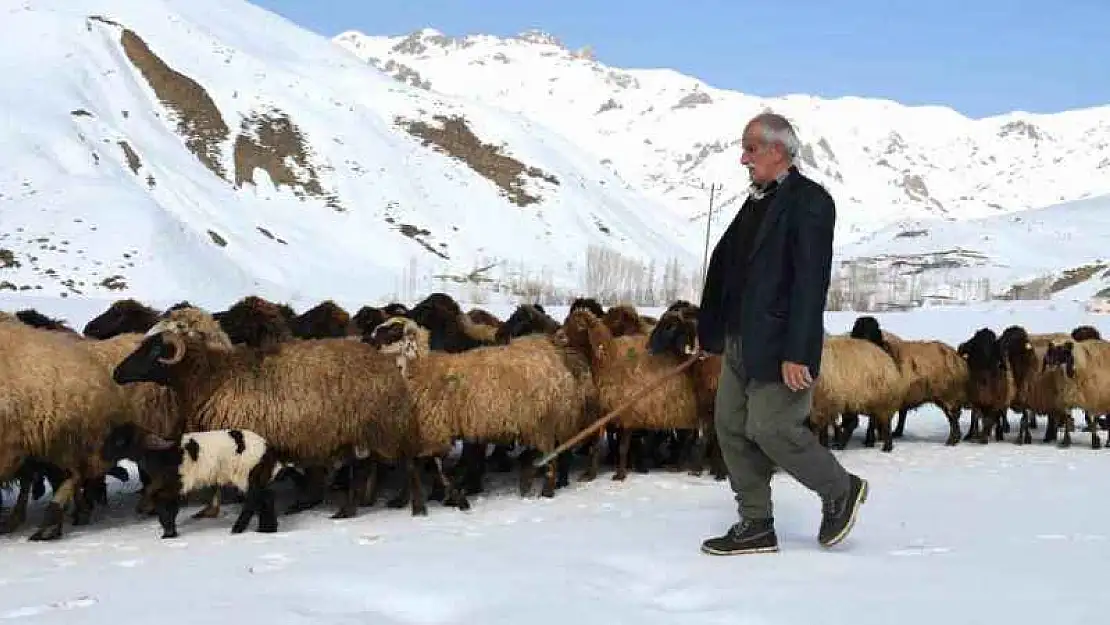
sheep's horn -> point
(175, 340)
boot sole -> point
(743, 552)
(860, 499)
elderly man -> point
(763, 309)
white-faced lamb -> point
(237, 458)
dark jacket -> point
(773, 293)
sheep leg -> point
(1024, 437)
(1001, 425)
(696, 453)
(472, 461)
(869, 437)
(312, 490)
(643, 447)
(356, 488)
(452, 496)
(500, 459)
(594, 465)
(1069, 426)
(527, 471)
(211, 510)
(900, 428)
(54, 517)
(1050, 428)
(551, 479)
(973, 425)
(562, 465)
(1092, 422)
(884, 431)
(373, 483)
(166, 503)
(622, 455)
(439, 488)
(849, 421)
(953, 415)
(419, 507)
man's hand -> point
(796, 376)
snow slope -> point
(964, 535)
(1065, 245)
(143, 144)
(673, 135)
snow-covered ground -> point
(971, 534)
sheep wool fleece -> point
(762, 424)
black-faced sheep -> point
(1086, 333)
(676, 334)
(589, 304)
(126, 315)
(621, 366)
(214, 458)
(526, 319)
(991, 388)
(316, 402)
(934, 374)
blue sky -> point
(981, 57)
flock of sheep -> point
(246, 396)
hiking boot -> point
(748, 536)
(839, 515)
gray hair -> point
(775, 128)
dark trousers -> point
(762, 424)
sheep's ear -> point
(154, 442)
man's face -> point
(763, 161)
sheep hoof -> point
(344, 513)
(171, 534)
(420, 510)
(619, 477)
(54, 532)
(267, 528)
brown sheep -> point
(589, 304)
(621, 366)
(857, 377)
(623, 320)
(35, 319)
(301, 397)
(1081, 370)
(56, 404)
(1035, 389)
(533, 391)
(483, 317)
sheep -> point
(325, 320)
(239, 458)
(302, 397)
(589, 304)
(621, 365)
(483, 317)
(857, 377)
(1086, 333)
(1081, 369)
(934, 372)
(55, 403)
(676, 333)
(526, 319)
(256, 322)
(126, 315)
(35, 319)
(623, 320)
(535, 390)
(991, 388)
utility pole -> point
(708, 223)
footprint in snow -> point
(36, 610)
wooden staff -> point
(600, 423)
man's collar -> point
(758, 192)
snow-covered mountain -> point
(1061, 250)
(207, 149)
(673, 135)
